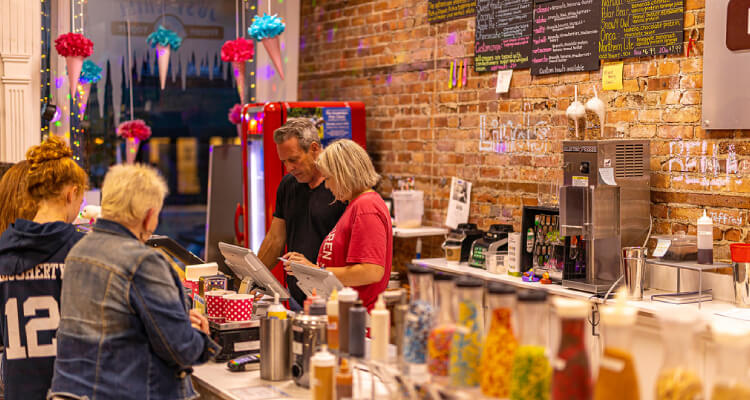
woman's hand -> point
(199, 322)
(296, 258)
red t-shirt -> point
(363, 235)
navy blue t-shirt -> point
(32, 260)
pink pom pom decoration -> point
(136, 129)
(237, 50)
(235, 114)
(74, 45)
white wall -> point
(20, 56)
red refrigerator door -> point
(275, 115)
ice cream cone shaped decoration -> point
(74, 65)
(164, 41)
(238, 70)
(84, 89)
(266, 29)
(274, 51)
(131, 149)
(162, 56)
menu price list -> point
(503, 34)
(639, 28)
(566, 36)
(446, 10)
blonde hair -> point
(129, 191)
(51, 169)
(349, 166)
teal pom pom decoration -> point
(266, 26)
(90, 72)
(164, 37)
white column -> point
(20, 55)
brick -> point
(675, 131)
(682, 115)
(691, 97)
(663, 83)
(668, 67)
(694, 81)
(648, 116)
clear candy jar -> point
(731, 380)
(500, 342)
(571, 379)
(466, 347)
(441, 336)
(617, 379)
(530, 374)
(678, 379)
(419, 319)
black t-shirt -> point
(309, 214)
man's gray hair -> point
(301, 128)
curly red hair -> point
(52, 168)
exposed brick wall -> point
(385, 54)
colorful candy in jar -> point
(530, 375)
(417, 331)
(439, 350)
(497, 355)
(679, 384)
(466, 350)
(617, 378)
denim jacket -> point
(124, 329)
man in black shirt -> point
(306, 210)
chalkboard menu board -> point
(637, 28)
(503, 34)
(566, 36)
(446, 10)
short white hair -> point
(129, 191)
(349, 166)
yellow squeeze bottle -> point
(276, 310)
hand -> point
(199, 322)
(257, 293)
(298, 259)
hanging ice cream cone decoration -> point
(131, 149)
(273, 48)
(164, 41)
(84, 89)
(238, 52)
(238, 70)
(235, 118)
(75, 48)
(90, 73)
(266, 29)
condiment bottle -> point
(306, 305)
(705, 239)
(322, 363)
(617, 379)
(500, 344)
(530, 374)
(332, 310)
(466, 346)
(380, 324)
(571, 379)
(276, 310)
(344, 381)
(678, 378)
(357, 329)
(347, 296)
(731, 380)
(441, 336)
(420, 315)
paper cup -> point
(215, 304)
(238, 307)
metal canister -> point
(741, 274)
(275, 357)
(308, 334)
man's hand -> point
(297, 258)
(198, 321)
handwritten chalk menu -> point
(566, 36)
(637, 28)
(503, 34)
(446, 10)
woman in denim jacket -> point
(125, 330)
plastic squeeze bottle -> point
(357, 329)
(705, 239)
(380, 324)
(321, 383)
(347, 296)
(332, 310)
(344, 388)
(276, 310)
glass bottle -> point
(500, 343)
(677, 378)
(466, 346)
(441, 336)
(571, 379)
(530, 374)
(617, 378)
(731, 380)
(420, 316)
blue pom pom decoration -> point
(90, 72)
(266, 26)
(164, 37)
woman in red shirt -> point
(359, 249)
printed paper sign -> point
(458, 205)
(612, 76)
(503, 81)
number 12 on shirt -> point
(31, 306)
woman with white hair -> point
(359, 248)
(125, 329)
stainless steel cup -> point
(634, 265)
(742, 284)
(275, 354)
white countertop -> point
(707, 310)
(422, 231)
